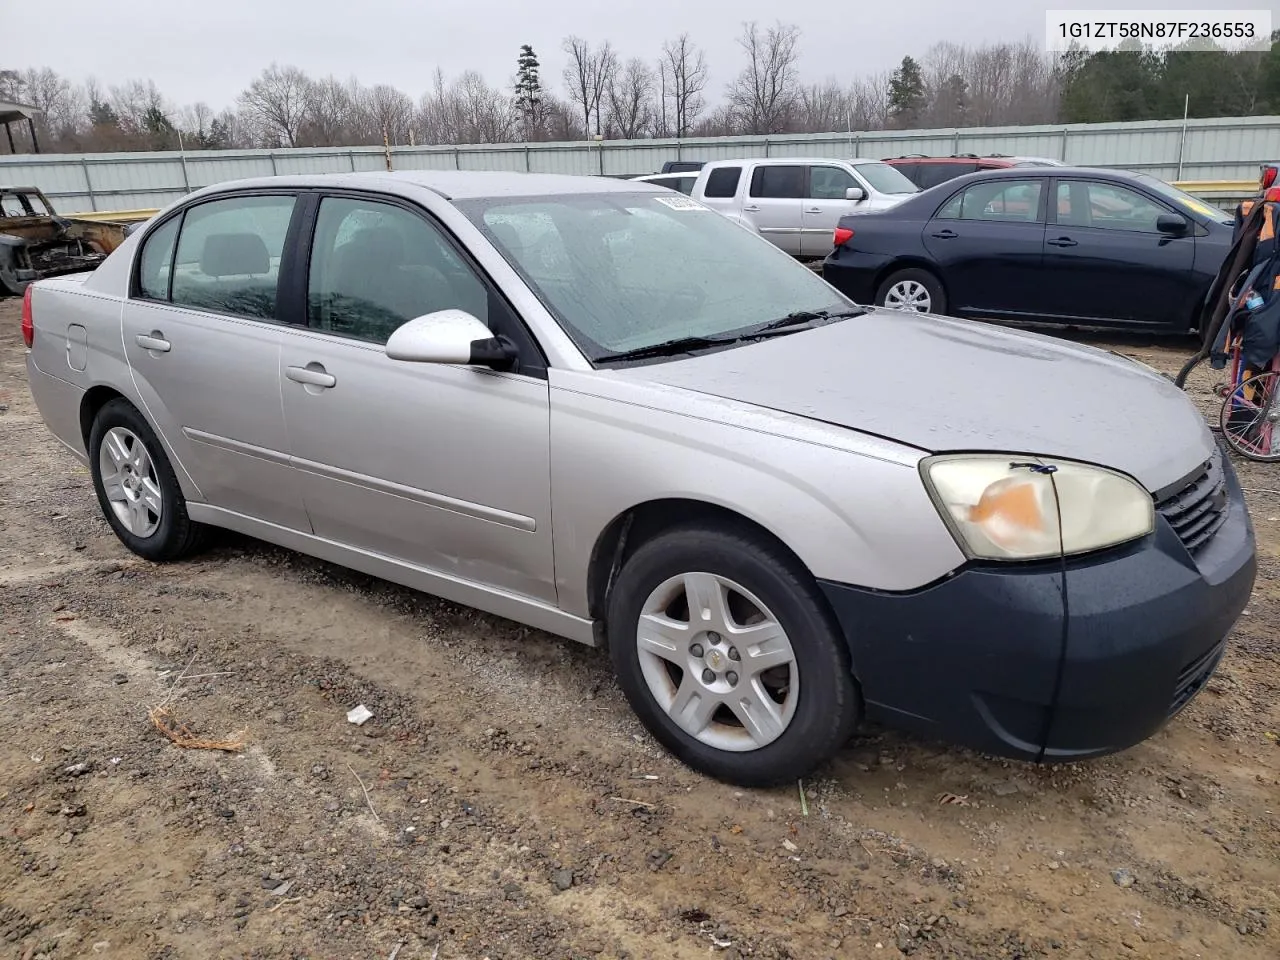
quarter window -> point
(229, 255)
(156, 264)
(376, 266)
(999, 200)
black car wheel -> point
(912, 289)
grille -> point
(1199, 509)
(1194, 676)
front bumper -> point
(1046, 663)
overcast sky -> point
(210, 49)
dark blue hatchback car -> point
(1054, 245)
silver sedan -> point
(599, 408)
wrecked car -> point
(36, 243)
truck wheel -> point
(136, 486)
(912, 289)
(727, 654)
(11, 285)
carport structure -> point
(11, 113)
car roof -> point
(740, 160)
(450, 184)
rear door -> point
(824, 204)
(987, 240)
(202, 337)
(1106, 261)
(775, 203)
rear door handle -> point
(1062, 242)
(946, 234)
(313, 375)
(155, 341)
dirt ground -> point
(503, 802)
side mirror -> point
(855, 194)
(449, 336)
(1171, 223)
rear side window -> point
(156, 263)
(723, 182)
(229, 255)
(778, 182)
(1001, 200)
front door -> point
(202, 337)
(824, 204)
(775, 199)
(1108, 262)
(987, 241)
(444, 467)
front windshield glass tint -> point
(884, 178)
(623, 272)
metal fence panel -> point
(1228, 148)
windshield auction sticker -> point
(681, 203)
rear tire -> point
(912, 289)
(136, 487)
(756, 694)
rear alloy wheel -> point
(136, 486)
(728, 656)
(912, 289)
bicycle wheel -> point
(1250, 417)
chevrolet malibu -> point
(602, 410)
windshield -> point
(622, 272)
(884, 178)
(1184, 200)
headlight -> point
(1010, 507)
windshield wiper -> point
(791, 323)
(802, 318)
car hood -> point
(945, 385)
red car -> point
(926, 172)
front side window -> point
(229, 255)
(1082, 203)
(375, 266)
(999, 200)
(11, 205)
(627, 271)
(778, 182)
(830, 183)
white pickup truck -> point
(796, 202)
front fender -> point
(850, 506)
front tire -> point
(912, 289)
(753, 687)
(136, 487)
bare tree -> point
(278, 100)
(588, 75)
(390, 113)
(765, 93)
(823, 108)
(682, 75)
(630, 97)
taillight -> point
(842, 236)
(28, 324)
(1268, 175)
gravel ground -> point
(503, 802)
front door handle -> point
(814, 210)
(1062, 242)
(155, 342)
(946, 234)
(313, 375)
(751, 209)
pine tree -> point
(906, 93)
(528, 91)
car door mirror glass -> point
(855, 194)
(448, 336)
(1171, 223)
